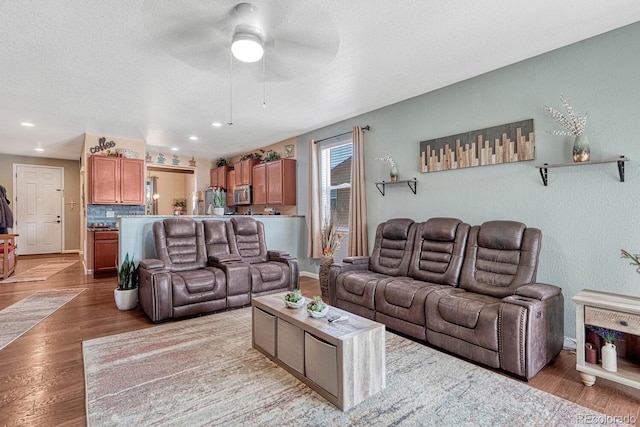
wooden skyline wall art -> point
(513, 142)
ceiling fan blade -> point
(196, 35)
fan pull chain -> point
(264, 82)
(230, 122)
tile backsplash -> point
(107, 215)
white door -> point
(38, 209)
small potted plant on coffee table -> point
(317, 308)
(294, 299)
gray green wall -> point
(586, 214)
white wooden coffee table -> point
(342, 361)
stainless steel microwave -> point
(242, 195)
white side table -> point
(612, 311)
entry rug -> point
(203, 372)
(39, 273)
(18, 318)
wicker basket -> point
(325, 263)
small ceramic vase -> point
(609, 357)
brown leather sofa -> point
(200, 269)
(469, 290)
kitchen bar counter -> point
(284, 232)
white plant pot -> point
(126, 299)
(218, 211)
(609, 357)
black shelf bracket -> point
(412, 183)
(545, 166)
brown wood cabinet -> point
(219, 177)
(116, 180)
(274, 183)
(260, 184)
(105, 253)
(244, 171)
(231, 179)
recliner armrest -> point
(151, 264)
(340, 267)
(222, 258)
(539, 291)
(274, 254)
(356, 260)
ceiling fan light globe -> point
(247, 47)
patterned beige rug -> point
(39, 273)
(203, 372)
(27, 313)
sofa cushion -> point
(180, 244)
(216, 237)
(270, 271)
(460, 311)
(249, 240)
(400, 293)
(196, 286)
(438, 249)
(500, 257)
(392, 248)
(469, 317)
(358, 287)
(501, 235)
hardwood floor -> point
(42, 377)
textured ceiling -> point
(160, 70)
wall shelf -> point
(620, 160)
(412, 183)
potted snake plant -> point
(126, 294)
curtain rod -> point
(367, 127)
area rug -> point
(203, 371)
(18, 318)
(39, 273)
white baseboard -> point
(309, 274)
(71, 251)
(569, 344)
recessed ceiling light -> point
(39, 149)
(216, 124)
(193, 138)
(174, 149)
(27, 124)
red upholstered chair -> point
(7, 255)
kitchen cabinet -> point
(116, 180)
(231, 179)
(274, 183)
(219, 177)
(244, 171)
(105, 253)
(260, 184)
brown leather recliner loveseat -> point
(469, 290)
(209, 266)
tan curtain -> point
(358, 203)
(314, 243)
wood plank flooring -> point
(42, 377)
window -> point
(335, 179)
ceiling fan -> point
(200, 33)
